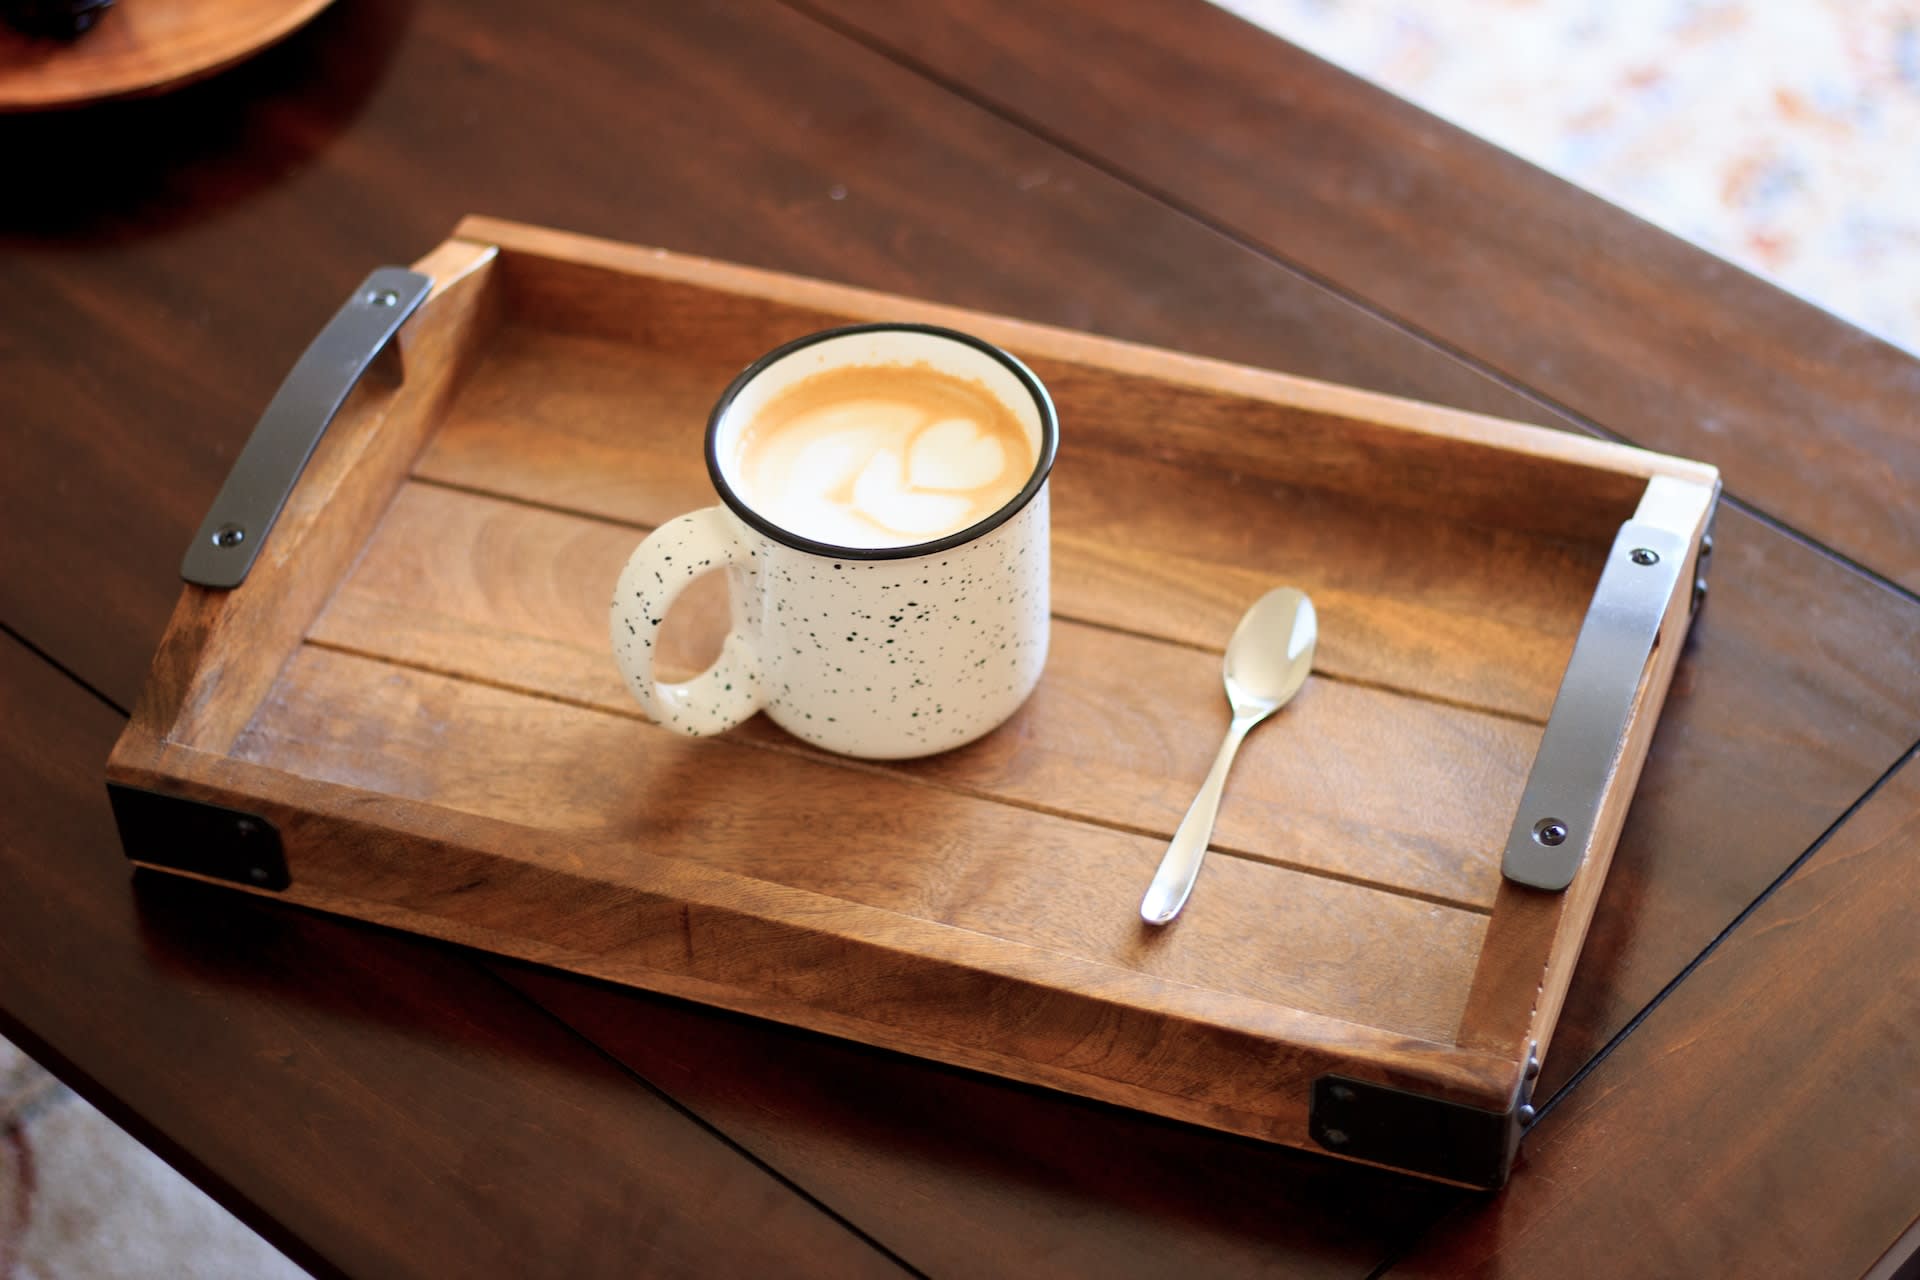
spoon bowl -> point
(1268, 659)
(1271, 652)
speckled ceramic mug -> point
(882, 652)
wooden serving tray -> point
(408, 713)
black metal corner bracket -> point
(197, 837)
(1419, 1133)
(288, 432)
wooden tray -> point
(407, 713)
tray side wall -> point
(899, 983)
(1534, 938)
(1489, 470)
(222, 649)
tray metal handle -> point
(1560, 806)
(264, 474)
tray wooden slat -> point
(414, 688)
(921, 986)
(1485, 616)
(1357, 782)
(1046, 882)
(1487, 470)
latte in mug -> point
(882, 455)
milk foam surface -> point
(882, 456)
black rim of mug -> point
(1043, 465)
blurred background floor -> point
(80, 1200)
(1783, 136)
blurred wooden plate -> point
(141, 47)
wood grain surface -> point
(1120, 732)
(1594, 312)
(1800, 687)
(139, 49)
(964, 1175)
(1534, 939)
(1430, 586)
(346, 1088)
(1048, 883)
(223, 648)
(157, 296)
(1793, 1045)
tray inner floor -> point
(1357, 852)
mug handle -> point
(661, 567)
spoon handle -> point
(1181, 865)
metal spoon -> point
(1267, 661)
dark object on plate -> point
(56, 19)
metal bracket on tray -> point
(1560, 807)
(1423, 1134)
(195, 836)
(287, 433)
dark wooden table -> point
(1735, 1085)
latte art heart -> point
(954, 453)
(882, 456)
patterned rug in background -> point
(1782, 135)
(80, 1200)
